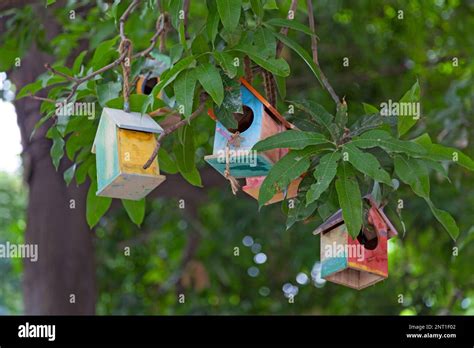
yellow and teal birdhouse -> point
(123, 143)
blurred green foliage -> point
(387, 51)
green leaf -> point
(302, 53)
(229, 11)
(446, 220)
(108, 91)
(96, 206)
(278, 66)
(193, 177)
(104, 53)
(57, 149)
(185, 150)
(265, 42)
(170, 75)
(413, 173)
(292, 139)
(288, 23)
(406, 122)
(384, 140)
(174, 8)
(135, 210)
(226, 61)
(69, 174)
(370, 109)
(257, 8)
(211, 81)
(30, 89)
(290, 167)
(300, 211)
(367, 164)
(439, 152)
(83, 168)
(166, 163)
(184, 90)
(50, 2)
(76, 67)
(320, 118)
(200, 47)
(212, 23)
(281, 86)
(324, 173)
(232, 103)
(350, 199)
(270, 5)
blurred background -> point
(370, 51)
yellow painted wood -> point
(135, 149)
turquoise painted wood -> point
(332, 265)
(256, 166)
(106, 154)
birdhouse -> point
(123, 143)
(253, 184)
(360, 262)
(150, 77)
(259, 121)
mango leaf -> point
(367, 164)
(384, 140)
(288, 23)
(302, 53)
(229, 11)
(69, 174)
(96, 206)
(185, 150)
(281, 86)
(184, 91)
(211, 81)
(212, 23)
(277, 66)
(226, 61)
(57, 149)
(300, 211)
(76, 67)
(406, 122)
(370, 109)
(341, 116)
(170, 75)
(446, 220)
(193, 177)
(83, 168)
(292, 139)
(166, 163)
(265, 42)
(175, 6)
(413, 173)
(290, 167)
(320, 118)
(324, 173)
(30, 89)
(135, 210)
(257, 8)
(350, 199)
(439, 152)
(104, 53)
(108, 91)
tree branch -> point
(314, 48)
(124, 18)
(174, 127)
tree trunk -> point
(62, 281)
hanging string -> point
(234, 140)
(126, 46)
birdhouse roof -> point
(274, 112)
(129, 120)
(336, 219)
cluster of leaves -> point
(339, 158)
(209, 60)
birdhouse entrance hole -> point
(244, 120)
(364, 238)
(149, 85)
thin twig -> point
(162, 24)
(174, 127)
(284, 30)
(42, 98)
(124, 18)
(314, 48)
